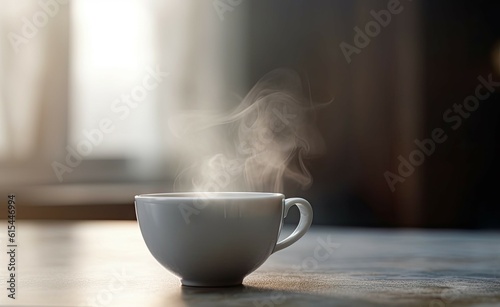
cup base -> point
(193, 283)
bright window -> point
(111, 57)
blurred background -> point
(87, 88)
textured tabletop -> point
(108, 264)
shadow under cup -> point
(210, 239)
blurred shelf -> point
(99, 201)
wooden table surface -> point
(106, 263)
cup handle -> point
(306, 216)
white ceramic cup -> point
(216, 239)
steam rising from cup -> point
(258, 146)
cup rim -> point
(210, 195)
